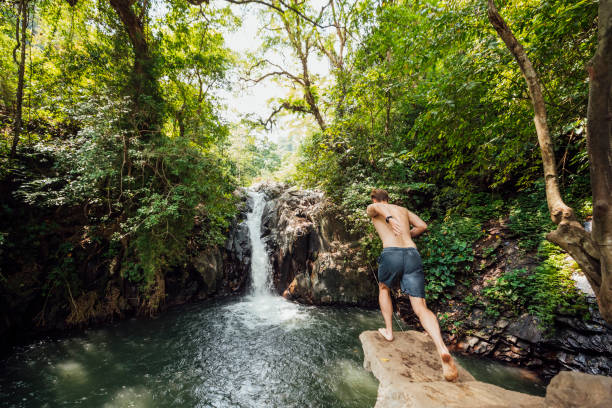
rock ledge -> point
(410, 375)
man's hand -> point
(395, 226)
(419, 225)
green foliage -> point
(64, 272)
(544, 292)
(448, 254)
(482, 206)
(529, 218)
(156, 192)
(140, 163)
(132, 271)
(442, 102)
(253, 156)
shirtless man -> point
(401, 260)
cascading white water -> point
(260, 262)
(262, 307)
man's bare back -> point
(397, 232)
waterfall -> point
(262, 307)
(260, 262)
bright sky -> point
(257, 99)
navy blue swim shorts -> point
(405, 264)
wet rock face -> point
(576, 345)
(314, 259)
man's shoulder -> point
(400, 207)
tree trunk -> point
(312, 103)
(308, 95)
(599, 145)
(21, 43)
(570, 234)
(143, 88)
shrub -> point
(529, 217)
(447, 253)
(544, 292)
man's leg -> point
(430, 324)
(386, 307)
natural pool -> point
(245, 352)
(258, 350)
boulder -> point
(209, 264)
(526, 328)
(570, 389)
(411, 357)
(315, 259)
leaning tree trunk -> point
(21, 44)
(570, 235)
(599, 145)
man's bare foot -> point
(449, 370)
(387, 336)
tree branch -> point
(281, 72)
(267, 124)
(280, 9)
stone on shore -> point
(410, 374)
(570, 389)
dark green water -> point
(246, 352)
(511, 378)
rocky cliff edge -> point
(410, 375)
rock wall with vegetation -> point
(524, 307)
(74, 274)
(501, 291)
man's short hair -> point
(379, 194)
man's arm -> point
(419, 226)
(371, 210)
